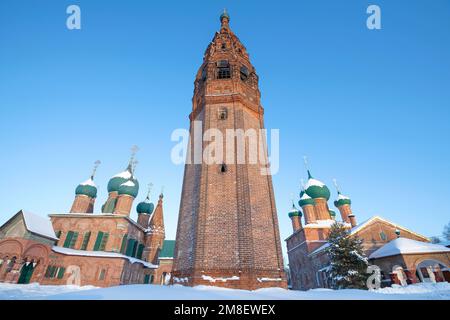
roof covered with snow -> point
(88, 182)
(305, 196)
(129, 183)
(324, 223)
(407, 246)
(125, 175)
(378, 218)
(342, 197)
(361, 226)
(38, 225)
(313, 182)
(101, 254)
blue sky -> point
(369, 108)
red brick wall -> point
(228, 222)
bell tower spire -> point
(229, 202)
(225, 19)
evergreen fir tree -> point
(446, 232)
(348, 262)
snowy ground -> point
(438, 291)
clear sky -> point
(369, 108)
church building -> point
(403, 256)
(86, 248)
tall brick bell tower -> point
(228, 227)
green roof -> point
(168, 249)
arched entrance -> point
(432, 271)
(26, 272)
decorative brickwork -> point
(83, 204)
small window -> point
(69, 236)
(104, 241)
(223, 113)
(123, 247)
(73, 240)
(224, 73)
(85, 242)
(101, 276)
(223, 168)
(204, 73)
(47, 272)
(51, 272)
(383, 236)
(244, 73)
(224, 46)
(98, 241)
(134, 252)
(10, 265)
(223, 64)
(224, 70)
(61, 272)
(140, 251)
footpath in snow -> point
(423, 291)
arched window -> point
(123, 246)
(223, 168)
(85, 242)
(101, 275)
(223, 113)
(244, 73)
(224, 70)
(11, 264)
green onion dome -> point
(130, 187)
(316, 189)
(295, 212)
(305, 200)
(87, 188)
(342, 200)
(332, 214)
(119, 179)
(145, 207)
(224, 15)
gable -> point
(376, 232)
(14, 228)
(371, 231)
(28, 226)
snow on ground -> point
(423, 291)
(35, 291)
